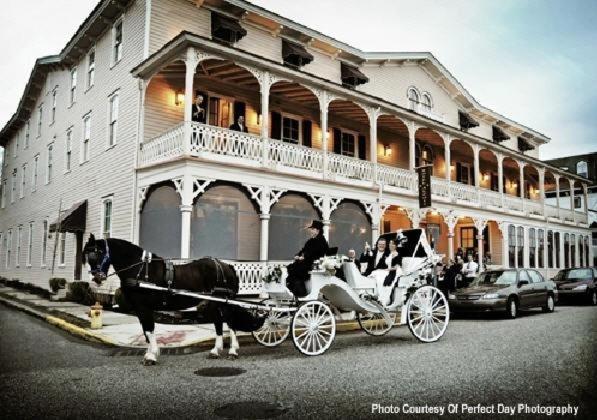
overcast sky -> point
(531, 60)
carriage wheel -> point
(427, 314)
(275, 329)
(313, 328)
(375, 324)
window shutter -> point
(239, 109)
(362, 147)
(307, 132)
(276, 125)
(337, 141)
(458, 172)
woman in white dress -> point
(385, 278)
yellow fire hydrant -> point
(95, 313)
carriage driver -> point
(315, 248)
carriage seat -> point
(355, 279)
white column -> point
(542, 189)
(503, 226)
(521, 166)
(451, 220)
(571, 183)
(323, 107)
(476, 165)
(264, 242)
(264, 87)
(186, 209)
(585, 195)
(191, 62)
(447, 155)
(480, 225)
(557, 178)
(412, 129)
(373, 114)
(500, 165)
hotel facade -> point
(104, 141)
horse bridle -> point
(104, 265)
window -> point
(573, 261)
(566, 250)
(426, 102)
(550, 249)
(3, 193)
(73, 85)
(413, 98)
(107, 218)
(467, 239)
(23, 181)
(463, 173)
(347, 145)
(62, 255)
(91, 68)
(535, 276)
(117, 42)
(113, 121)
(532, 245)
(582, 169)
(27, 134)
(35, 171)
(581, 251)
(44, 243)
(86, 138)
(8, 247)
(541, 256)
(50, 164)
(54, 92)
(40, 114)
(68, 150)
(13, 187)
(30, 244)
(557, 245)
(577, 203)
(519, 246)
(290, 130)
(18, 254)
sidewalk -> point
(120, 330)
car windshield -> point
(496, 277)
(573, 275)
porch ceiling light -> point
(387, 150)
(178, 98)
(485, 177)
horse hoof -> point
(211, 355)
(232, 356)
(148, 362)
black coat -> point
(298, 271)
(370, 260)
(198, 113)
(236, 127)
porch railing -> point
(212, 142)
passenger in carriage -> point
(376, 260)
(298, 271)
(394, 263)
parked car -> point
(577, 284)
(506, 290)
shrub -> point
(57, 283)
(80, 292)
(3, 279)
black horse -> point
(206, 275)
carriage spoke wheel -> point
(375, 324)
(275, 329)
(427, 314)
(313, 328)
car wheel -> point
(511, 308)
(593, 298)
(549, 304)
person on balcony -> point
(315, 248)
(239, 125)
(198, 113)
(376, 260)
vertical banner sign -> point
(424, 186)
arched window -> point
(582, 169)
(349, 228)
(426, 102)
(287, 233)
(160, 223)
(225, 225)
(413, 98)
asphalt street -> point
(547, 359)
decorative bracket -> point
(264, 196)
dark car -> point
(577, 284)
(506, 290)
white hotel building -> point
(104, 131)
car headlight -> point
(451, 296)
(490, 296)
(581, 287)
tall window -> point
(117, 42)
(566, 250)
(557, 246)
(30, 244)
(413, 98)
(532, 245)
(581, 251)
(23, 181)
(62, 255)
(290, 130)
(91, 68)
(512, 246)
(107, 218)
(18, 254)
(550, 249)
(8, 247)
(27, 134)
(40, 115)
(86, 138)
(44, 243)
(35, 172)
(113, 119)
(582, 169)
(519, 246)
(541, 255)
(13, 187)
(426, 102)
(573, 261)
(54, 92)
(347, 145)
(73, 85)
(50, 164)
(68, 150)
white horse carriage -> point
(312, 319)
